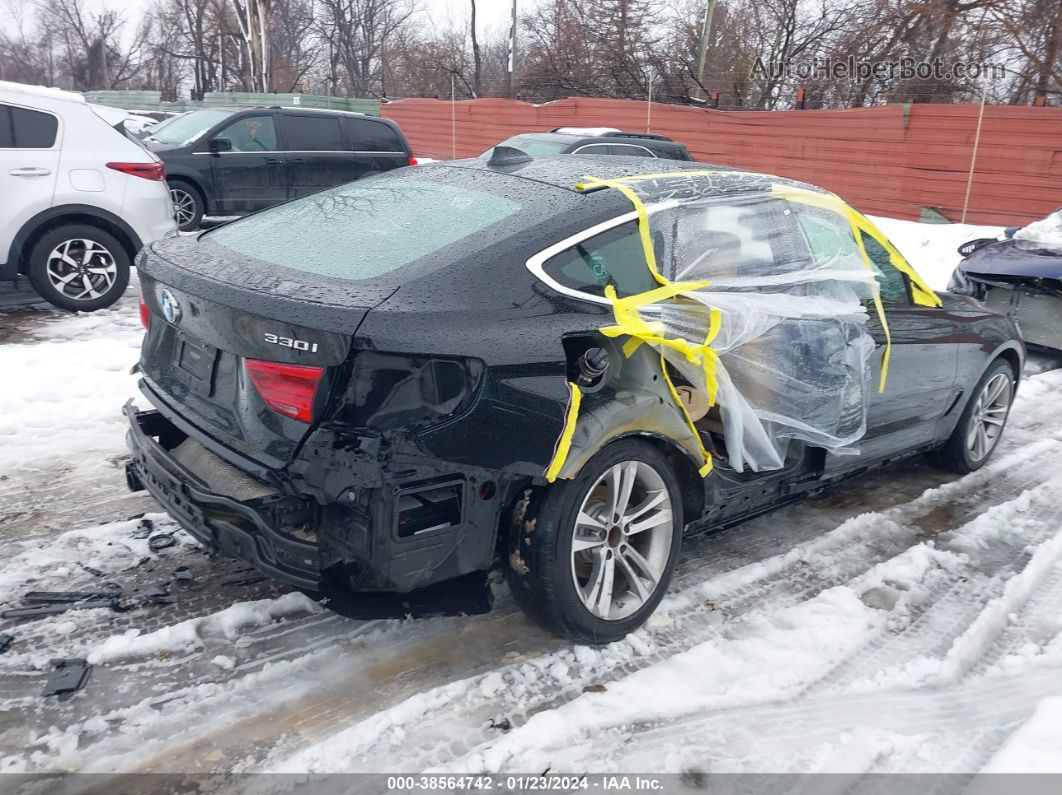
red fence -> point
(892, 160)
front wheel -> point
(981, 424)
(79, 267)
(592, 557)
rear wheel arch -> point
(70, 215)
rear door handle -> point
(296, 160)
(30, 171)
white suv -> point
(78, 196)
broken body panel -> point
(447, 383)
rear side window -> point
(613, 257)
(26, 129)
(313, 133)
(366, 135)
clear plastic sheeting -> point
(761, 314)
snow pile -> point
(190, 634)
(63, 400)
(932, 249)
(1036, 747)
(1045, 233)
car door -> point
(29, 165)
(251, 174)
(374, 145)
(920, 384)
(316, 154)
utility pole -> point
(103, 56)
(702, 49)
(512, 53)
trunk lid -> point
(202, 333)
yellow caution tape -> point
(706, 458)
(564, 444)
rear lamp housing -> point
(288, 389)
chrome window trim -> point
(615, 143)
(536, 263)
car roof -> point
(299, 109)
(566, 171)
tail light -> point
(145, 313)
(288, 389)
(152, 171)
(412, 160)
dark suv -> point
(571, 141)
(224, 161)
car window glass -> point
(372, 136)
(534, 146)
(595, 149)
(724, 242)
(26, 129)
(367, 228)
(251, 134)
(613, 257)
(185, 128)
(631, 150)
(891, 282)
(313, 134)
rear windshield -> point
(536, 147)
(185, 129)
(364, 229)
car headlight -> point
(390, 391)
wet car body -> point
(443, 393)
(1018, 280)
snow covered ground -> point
(904, 622)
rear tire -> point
(188, 204)
(79, 267)
(592, 557)
(982, 422)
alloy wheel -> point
(81, 269)
(621, 540)
(989, 415)
(183, 206)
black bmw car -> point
(442, 370)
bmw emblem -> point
(171, 310)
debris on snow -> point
(67, 677)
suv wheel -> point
(187, 205)
(79, 267)
(592, 557)
(981, 424)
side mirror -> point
(970, 246)
(220, 145)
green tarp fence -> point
(152, 100)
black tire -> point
(179, 190)
(540, 567)
(99, 289)
(955, 455)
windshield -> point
(185, 129)
(366, 228)
(532, 146)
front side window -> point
(21, 128)
(251, 134)
(891, 281)
(613, 257)
(313, 134)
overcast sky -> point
(492, 15)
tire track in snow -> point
(846, 551)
